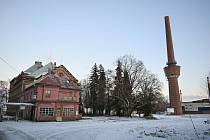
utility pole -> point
(208, 87)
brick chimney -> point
(172, 72)
(38, 63)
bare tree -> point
(4, 84)
(136, 70)
(149, 94)
(85, 96)
(145, 88)
(109, 89)
(3, 97)
(161, 105)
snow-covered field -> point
(110, 128)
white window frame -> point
(68, 111)
(47, 111)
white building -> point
(197, 107)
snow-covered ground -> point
(110, 128)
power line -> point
(8, 64)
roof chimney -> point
(39, 64)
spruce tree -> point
(118, 90)
(94, 83)
(102, 90)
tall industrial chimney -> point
(172, 72)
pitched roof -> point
(65, 83)
(34, 67)
(44, 75)
(35, 81)
(53, 80)
(43, 70)
(70, 75)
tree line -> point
(128, 88)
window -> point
(47, 111)
(68, 111)
(47, 93)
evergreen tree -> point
(101, 90)
(94, 85)
(118, 90)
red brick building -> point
(53, 90)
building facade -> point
(196, 107)
(53, 90)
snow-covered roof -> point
(43, 70)
(34, 67)
(54, 80)
(20, 104)
(43, 75)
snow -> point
(110, 128)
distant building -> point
(196, 107)
(53, 90)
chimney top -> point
(38, 62)
(166, 17)
(169, 43)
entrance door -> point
(58, 115)
(32, 113)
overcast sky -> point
(79, 33)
